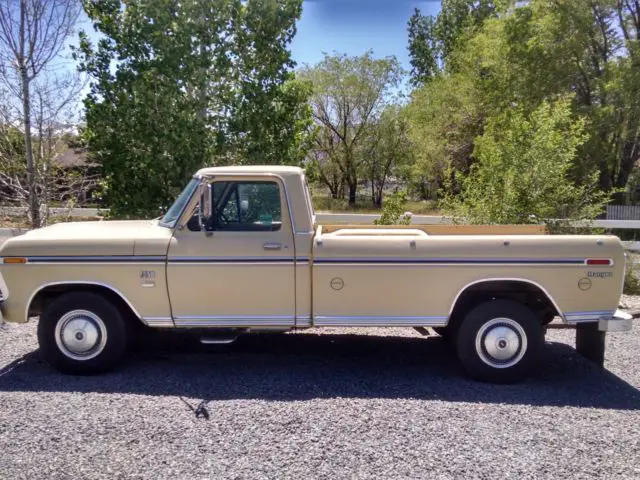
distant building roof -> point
(72, 157)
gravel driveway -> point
(341, 404)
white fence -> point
(54, 211)
(618, 216)
(623, 212)
(358, 218)
(343, 218)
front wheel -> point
(500, 341)
(82, 332)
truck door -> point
(242, 273)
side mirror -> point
(205, 212)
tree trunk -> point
(378, 198)
(34, 204)
(353, 187)
(424, 192)
(629, 158)
(373, 192)
(34, 207)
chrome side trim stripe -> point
(158, 322)
(235, 321)
(453, 261)
(378, 321)
(304, 321)
(589, 316)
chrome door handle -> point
(272, 246)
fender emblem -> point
(148, 278)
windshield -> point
(170, 218)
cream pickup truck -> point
(240, 251)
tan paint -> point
(404, 289)
(246, 287)
(377, 277)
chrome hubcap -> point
(81, 334)
(501, 342)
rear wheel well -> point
(46, 295)
(520, 291)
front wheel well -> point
(521, 291)
(45, 295)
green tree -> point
(522, 173)
(529, 54)
(178, 85)
(445, 116)
(349, 95)
(548, 48)
(270, 116)
(387, 151)
(433, 38)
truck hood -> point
(130, 237)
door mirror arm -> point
(205, 212)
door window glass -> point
(247, 206)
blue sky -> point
(347, 26)
(355, 26)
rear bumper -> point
(619, 322)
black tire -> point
(500, 342)
(442, 331)
(450, 332)
(92, 313)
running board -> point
(217, 340)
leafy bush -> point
(631, 281)
(522, 172)
(393, 210)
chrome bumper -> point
(619, 322)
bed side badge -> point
(336, 283)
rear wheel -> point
(499, 341)
(82, 332)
